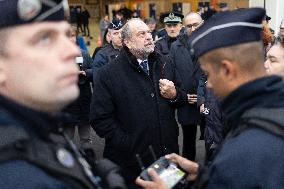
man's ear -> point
(229, 69)
(127, 43)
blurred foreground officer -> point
(133, 105)
(38, 78)
(252, 153)
(173, 26)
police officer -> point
(253, 104)
(38, 78)
(111, 50)
(173, 26)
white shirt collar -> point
(140, 60)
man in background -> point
(111, 50)
(173, 26)
(190, 72)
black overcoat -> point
(129, 112)
(190, 74)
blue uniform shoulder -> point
(22, 175)
(246, 161)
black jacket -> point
(29, 157)
(104, 56)
(80, 108)
(252, 158)
(129, 112)
(190, 73)
(163, 45)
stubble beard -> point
(144, 52)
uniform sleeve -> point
(102, 115)
(251, 160)
(22, 175)
(87, 66)
(99, 61)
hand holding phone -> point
(167, 171)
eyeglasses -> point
(194, 25)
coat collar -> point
(36, 121)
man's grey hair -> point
(126, 32)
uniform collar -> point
(37, 122)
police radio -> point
(79, 61)
(103, 174)
(172, 175)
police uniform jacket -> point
(104, 56)
(190, 73)
(129, 112)
(252, 158)
(163, 45)
(30, 159)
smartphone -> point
(168, 171)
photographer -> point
(80, 109)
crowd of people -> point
(222, 71)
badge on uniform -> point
(28, 9)
(65, 158)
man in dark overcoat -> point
(190, 73)
(133, 106)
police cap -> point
(227, 29)
(171, 17)
(115, 24)
(17, 12)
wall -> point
(274, 9)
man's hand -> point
(201, 108)
(156, 182)
(167, 89)
(191, 98)
(189, 166)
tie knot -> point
(144, 66)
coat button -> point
(152, 95)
